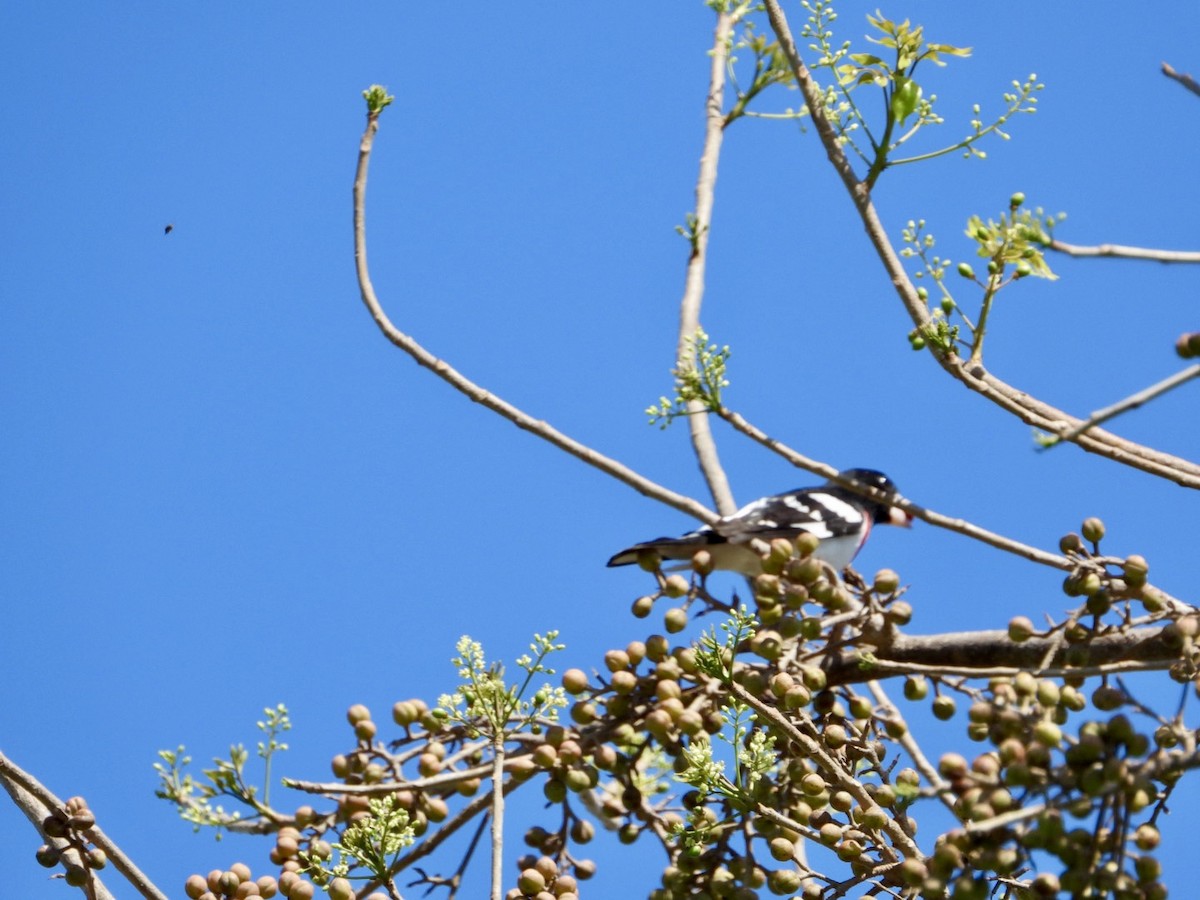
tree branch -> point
(469, 388)
(815, 750)
(1186, 80)
(689, 308)
(1118, 251)
(989, 654)
(1131, 402)
(36, 801)
(975, 377)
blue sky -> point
(223, 489)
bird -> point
(838, 516)
(170, 227)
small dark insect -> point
(168, 229)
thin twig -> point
(814, 750)
(472, 390)
(1119, 251)
(1131, 402)
(1021, 404)
(433, 782)
(1186, 80)
(909, 743)
(686, 352)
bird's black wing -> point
(823, 512)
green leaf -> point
(905, 97)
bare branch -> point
(469, 388)
(1131, 402)
(689, 308)
(974, 376)
(990, 654)
(1186, 80)
(1119, 251)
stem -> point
(498, 816)
(699, 425)
(981, 328)
(1120, 251)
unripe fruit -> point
(813, 784)
(584, 713)
(1047, 734)
(965, 270)
(1188, 345)
(648, 560)
(1070, 543)
(1146, 837)
(783, 881)
(886, 581)
(624, 682)
(575, 681)
(916, 687)
(1016, 199)
(636, 651)
(1093, 529)
(675, 586)
(952, 766)
(531, 881)
(782, 849)
(943, 707)
(1020, 628)
(76, 875)
(675, 620)
(1136, 568)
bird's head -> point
(881, 513)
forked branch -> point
(469, 388)
(974, 376)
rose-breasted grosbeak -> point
(841, 518)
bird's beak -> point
(897, 516)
